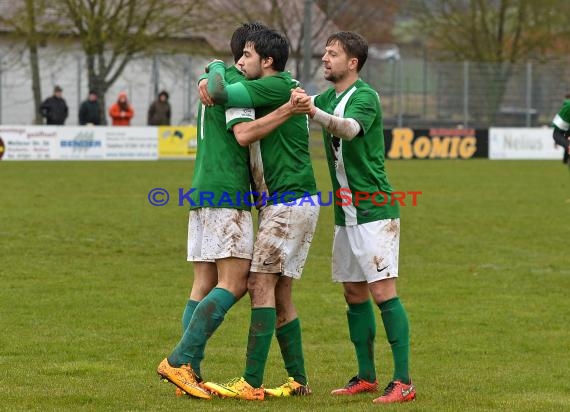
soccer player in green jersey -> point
(367, 231)
(561, 125)
(220, 235)
(283, 177)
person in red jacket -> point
(121, 111)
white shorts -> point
(366, 252)
(218, 233)
(284, 237)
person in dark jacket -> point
(89, 110)
(54, 108)
(159, 111)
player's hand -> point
(207, 68)
(296, 94)
(301, 103)
(205, 98)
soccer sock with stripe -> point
(290, 343)
(208, 316)
(397, 329)
(362, 329)
(258, 342)
(187, 314)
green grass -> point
(94, 280)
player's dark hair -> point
(270, 43)
(237, 43)
(353, 44)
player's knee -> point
(238, 287)
(355, 292)
(383, 290)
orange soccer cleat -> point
(397, 391)
(356, 385)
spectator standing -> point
(121, 111)
(159, 111)
(89, 110)
(54, 108)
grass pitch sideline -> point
(94, 281)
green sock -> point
(289, 338)
(362, 329)
(398, 334)
(261, 330)
(187, 314)
(207, 317)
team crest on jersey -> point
(335, 148)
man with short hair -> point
(54, 108)
(282, 175)
(367, 236)
(89, 112)
(220, 235)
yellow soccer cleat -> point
(290, 388)
(184, 378)
(236, 388)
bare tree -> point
(492, 31)
(500, 33)
(327, 16)
(373, 19)
(286, 16)
(23, 20)
(112, 33)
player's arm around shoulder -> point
(250, 132)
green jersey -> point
(357, 166)
(280, 163)
(221, 173)
(562, 119)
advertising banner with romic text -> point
(436, 143)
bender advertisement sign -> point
(436, 143)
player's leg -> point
(272, 256)
(396, 325)
(205, 279)
(382, 285)
(300, 223)
(210, 312)
(360, 313)
(261, 288)
(263, 277)
(228, 239)
(205, 276)
(224, 233)
(288, 334)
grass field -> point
(94, 280)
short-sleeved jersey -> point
(221, 171)
(357, 166)
(562, 119)
(280, 163)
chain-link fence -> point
(418, 93)
(415, 92)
